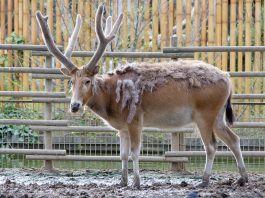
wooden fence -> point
(49, 126)
(147, 26)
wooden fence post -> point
(177, 139)
(48, 165)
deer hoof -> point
(136, 182)
(124, 179)
(203, 184)
(242, 180)
(123, 183)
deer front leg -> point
(135, 130)
(124, 154)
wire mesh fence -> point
(107, 144)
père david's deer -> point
(136, 95)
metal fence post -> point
(48, 165)
(177, 139)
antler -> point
(104, 39)
(73, 40)
(65, 59)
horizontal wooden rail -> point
(109, 129)
(105, 129)
(61, 99)
(32, 94)
(67, 100)
(214, 49)
(33, 151)
(33, 70)
(40, 100)
(49, 76)
(124, 54)
(105, 158)
(41, 71)
(25, 47)
(247, 74)
(35, 122)
(248, 96)
(249, 125)
(218, 153)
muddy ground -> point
(35, 183)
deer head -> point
(81, 79)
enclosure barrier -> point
(34, 122)
(33, 151)
(106, 158)
(218, 153)
(47, 94)
(176, 156)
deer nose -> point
(75, 107)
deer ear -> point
(65, 71)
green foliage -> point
(17, 133)
(13, 38)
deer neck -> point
(98, 103)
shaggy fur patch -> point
(139, 77)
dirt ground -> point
(35, 183)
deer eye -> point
(87, 82)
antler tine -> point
(47, 37)
(73, 40)
(91, 68)
(108, 25)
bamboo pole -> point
(179, 22)
(196, 27)
(240, 43)
(16, 76)
(87, 25)
(74, 9)
(211, 31)
(257, 83)
(263, 62)
(233, 40)
(188, 23)
(41, 59)
(2, 77)
(20, 33)
(163, 24)
(26, 37)
(146, 25)
(65, 33)
(203, 28)
(58, 37)
(132, 24)
(224, 33)
(248, 37)
(232, 34)
(33, 38)
(92, 17)
(9, 31)
(170, 17)
(80, 8)
(155, 24)
(218, 41)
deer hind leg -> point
(233, 142)
(210, 146)
(124, 154)
(135, 131)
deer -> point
(166, 94)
